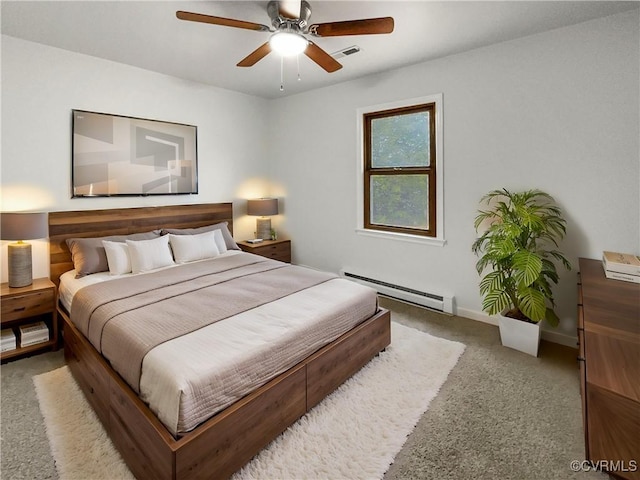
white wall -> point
(40, 87)
(557, 111)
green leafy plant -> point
(518, 246)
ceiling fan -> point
(290, 21)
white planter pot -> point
(519, 335)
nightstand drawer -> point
(275, 249)
(28, 305)
(277, 252)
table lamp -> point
(263, 207)
(21, 226)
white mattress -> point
(188, 379)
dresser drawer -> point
(613, 425)
(28, 305)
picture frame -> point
(116, 155)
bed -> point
(223, 443)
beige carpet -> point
(354, 433)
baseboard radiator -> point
(434, 301)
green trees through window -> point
(400, 201)
(400, 140)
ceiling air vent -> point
(345, 52)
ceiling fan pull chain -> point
(298, 62)
(282, 74)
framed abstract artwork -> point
(114, 155)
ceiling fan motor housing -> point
(278, 20)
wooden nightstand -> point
(24, 305)
(275, 249)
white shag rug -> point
(354, 433)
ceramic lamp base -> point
(263, 228)
(19, 259)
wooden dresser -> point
(609, 355)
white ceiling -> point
(147, 34)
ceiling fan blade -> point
(369, 26)
(289, 8)
(227, 22)
(255, 56)
(322, 58)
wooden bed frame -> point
(227, 441)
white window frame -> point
(439, 239)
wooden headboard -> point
(124, 221)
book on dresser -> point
(621, 266)
(626, 277)
(8, 340)
(33, 333)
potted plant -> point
(517, 246)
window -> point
(399, 174)
(400, 191)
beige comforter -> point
(124, 319)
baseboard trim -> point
(548, 335)
(560, 338)
(478, 316)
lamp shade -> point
(262, 207)
(288, 44)
(23, 226)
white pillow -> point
(117, 257)
(148, 255)
(189, 248)
(220, 243)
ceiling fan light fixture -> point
(288, 44)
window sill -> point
(403, 237)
